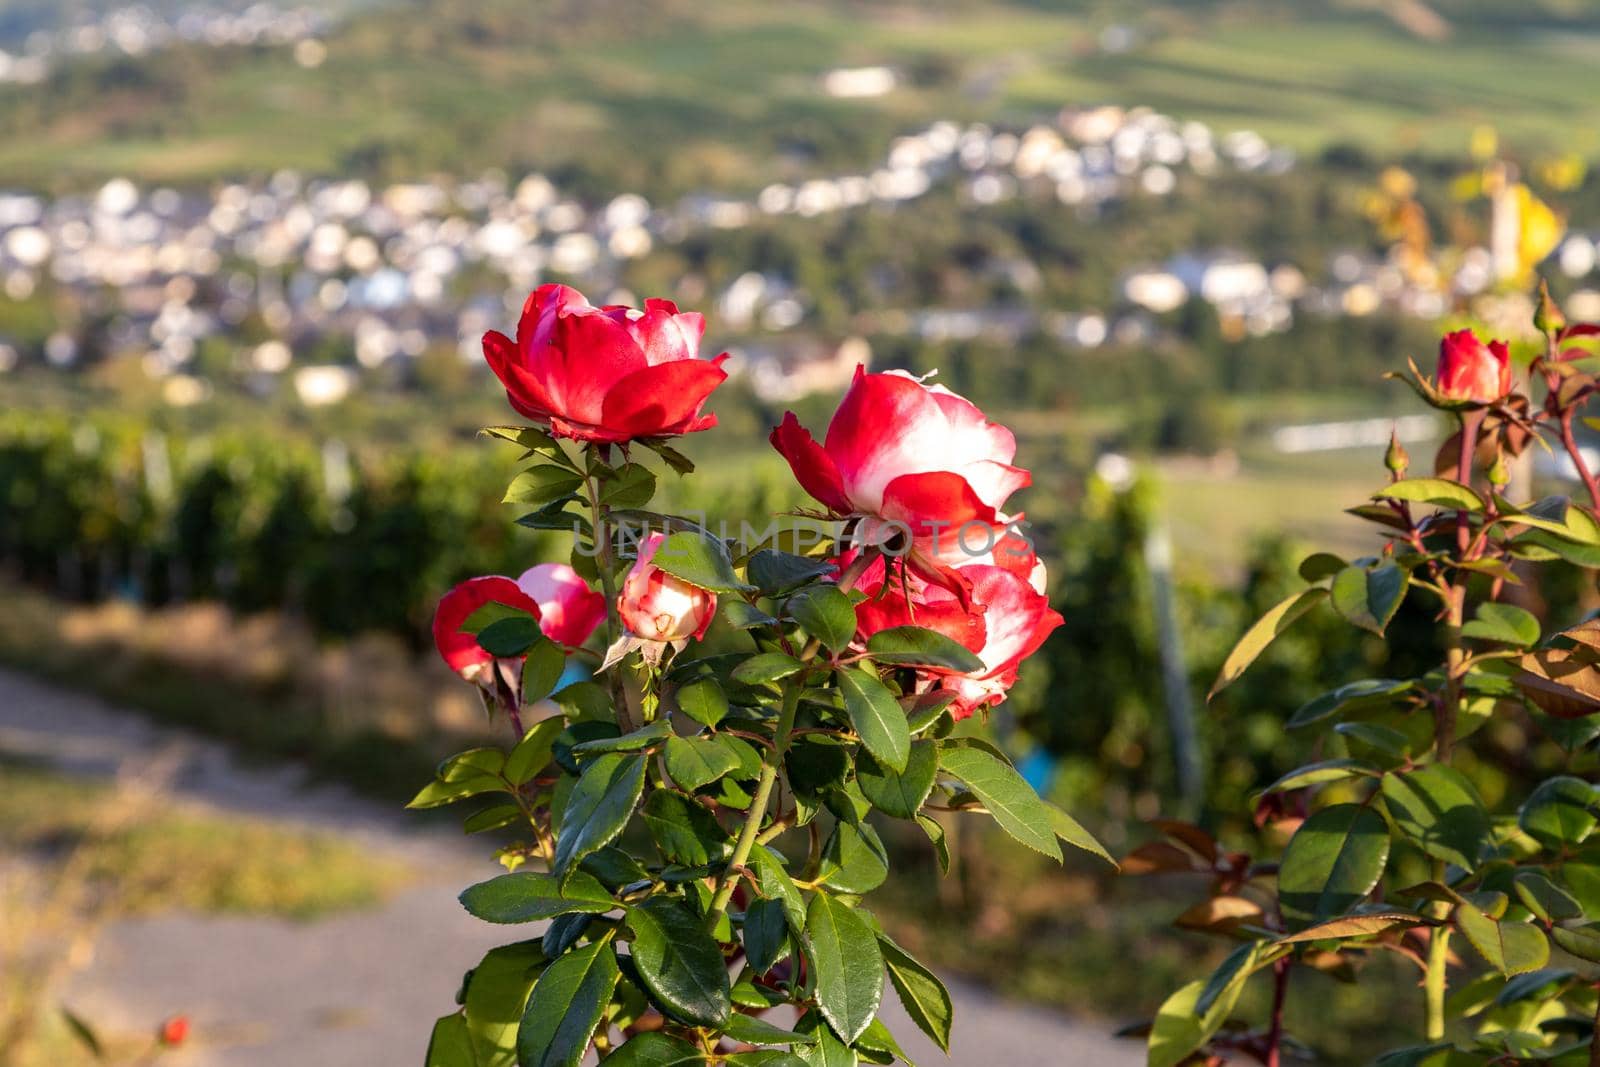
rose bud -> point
(606, 373)
(461, 650)
(174, 1031)
(569, 610)
(925, 468)
(656, 606)
(1471, 370)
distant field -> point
(725, 94)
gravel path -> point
(360, 989)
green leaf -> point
(765, 1058)
(699, 560)
(495, 996)
(917, 646)
(631, 487)
(449, 1045)
(1369, 597)
(534, 751)
(826, 614)
(1413, 1056)
(464, 766)
(599, 807)
(539, 486)
(764, 667)
(436, 794)
(1255, 640)
(1320, 565)
(655, 1049)
(696, 762)
(1581, 941)
(876, 716)
(80, 1028)
(854, 860)
(526, 896)
(1352, 696)
(766, 930)
(1332, 862)
(826, 1050)
(936, 837)
(1073, 833)
(1333, 770)
(1359, 924)
(1505, 623)
(648, 736)
(703, 701)
(567, 1004)
(775, 572)
(752, 1031)
(1180, 1029)
(1544, 898)
(491, 612)
(1439, 811)
(880, 1043)
(1560, 812)
(899, 793)
(1006, 795)
(849, 967)
(685, 831)
(680, 964)
(1439, 492)
(542, 670)
(924, 997)
(511, 636)
(1510, 948)
(777, 885)
(1229, 976)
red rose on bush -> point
(605, 373)
(657, 606)
(1009, 619)
(1472, 370)
(569, 611)
(915, 460)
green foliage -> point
(1412, 797)
(653, 832)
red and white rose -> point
(657, 606)
(567, 610)
(924, 469)
(1471, 370)
(608, 374)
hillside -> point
(728, 95)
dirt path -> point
(360, 989)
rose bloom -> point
(918, 462)
(567, 609)
(609, 373)
(657, 606)
(1008, 620)
(1472, 370)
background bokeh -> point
(247, 251)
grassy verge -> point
(185, 858)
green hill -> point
(672, 95)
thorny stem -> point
(1435, 976)
(1280, 994)
(600, 538)
(771, 760)
(1570, 443)
(758, 807)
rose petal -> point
(663, 399)
(813, 468)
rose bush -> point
(1382, 846)
(696, 825)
